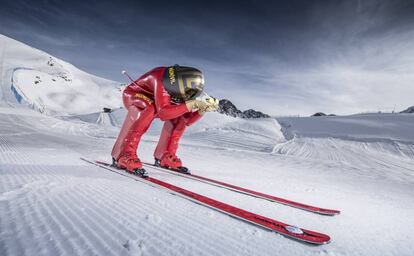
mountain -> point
(53, 86)
(408, 110)
(319, 114)
(228, 108)
(48, 84)
(322, 114)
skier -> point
(172, 94)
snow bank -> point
(115, 118)
(367, 127)
(267, 129)
(221, 131)
(377, 139)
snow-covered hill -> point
(52, 203)
(48, 84)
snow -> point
(52, 203)
(362, 127)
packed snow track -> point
(54, 204)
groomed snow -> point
(52, 203)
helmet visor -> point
(192, 93)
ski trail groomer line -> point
(174, 95)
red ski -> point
(249, 192)
(289, 231)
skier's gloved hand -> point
(203, 103)
(208, 109)
(213, 105)
(196, 105)
(213, 102)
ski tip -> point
(315, 238)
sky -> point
(279, 57)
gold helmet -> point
(183, 83)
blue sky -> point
(280, 57)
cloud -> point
(357, 60)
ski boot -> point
(130, 164)
(171, 161)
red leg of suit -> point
(139, 117)
(171, 133)
(170, 136)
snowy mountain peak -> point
(228, 108)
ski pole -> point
(127, 75)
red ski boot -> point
(171, 161)
(130, 163)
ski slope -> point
(52, 203)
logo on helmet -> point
(171, 75)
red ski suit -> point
(145, 100)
